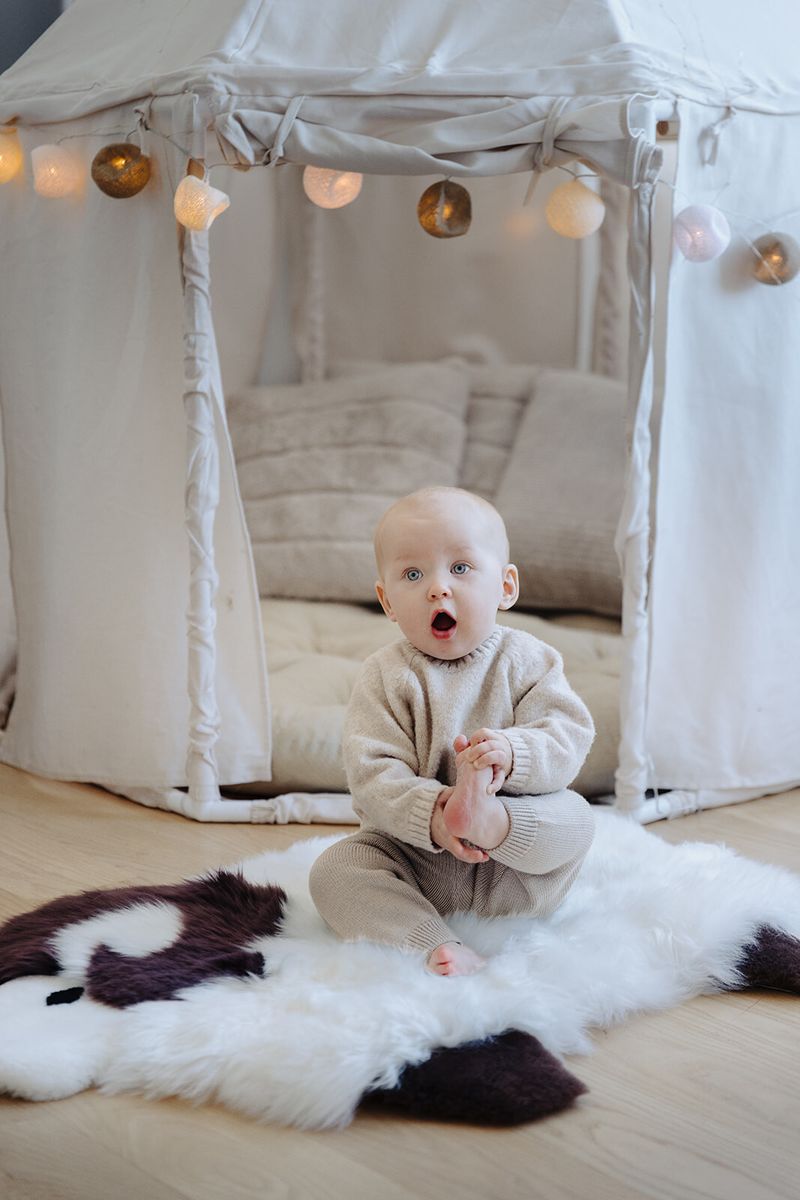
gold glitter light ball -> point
(778, 258)
(444, 209)
(121, 170)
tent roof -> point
(105, 52)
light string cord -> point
(767, 226)
(141, 125)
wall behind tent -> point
(510, 290)
(250, 293)
(21, 23)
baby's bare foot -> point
(453, 959)
(471, 813)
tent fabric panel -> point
(459, 137)
(95, 448)
(107, 52)
(724, 691)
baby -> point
(459, 743)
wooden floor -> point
(702, 1102)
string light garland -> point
(121, 170)
(444, 209)
(331, 189)
(11, 158)
(56, 172)
(777, 258)
(701, 233)
(574, 210)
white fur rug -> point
(646, 926)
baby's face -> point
(444, 575)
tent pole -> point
(633, 532)
(202, 498)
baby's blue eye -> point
(460, 568)
(413, 574)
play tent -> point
(106, 325)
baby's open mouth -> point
(443, 623)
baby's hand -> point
(488, 748)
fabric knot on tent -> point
(543, 153)
(238, 134)
(284, 129)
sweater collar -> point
(486, 647)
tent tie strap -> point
(543, 153)
(275, 153)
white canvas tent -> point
(104, 327)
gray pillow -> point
(319, 463)
(561, 494)
(498, 397)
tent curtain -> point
(95, 435)
(723, 691)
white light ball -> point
(10, 156)
(701, 232)
(197, 203)
(56, 171)
(331, 189)
(574, 210)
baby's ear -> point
(510, 587)
(380, 592)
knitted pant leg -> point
(366, 886)
(535, 866)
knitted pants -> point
(376, 887)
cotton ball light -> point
(701, 232)
(574, 210)
(56, 172)
(10, 155)
(778, 258)
(331, 189)
(444, 209)
(197, 203)
(121, 170)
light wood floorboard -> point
(699, 1103)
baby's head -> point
(443, 569)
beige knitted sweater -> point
(407, 708)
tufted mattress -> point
(315, 649)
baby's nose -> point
(439, 588)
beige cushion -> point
(561, 493)
(319, 463)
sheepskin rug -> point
(646, 926)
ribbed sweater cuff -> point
(519, 777)
(419, 817)
(524, 825)
(429, 935)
